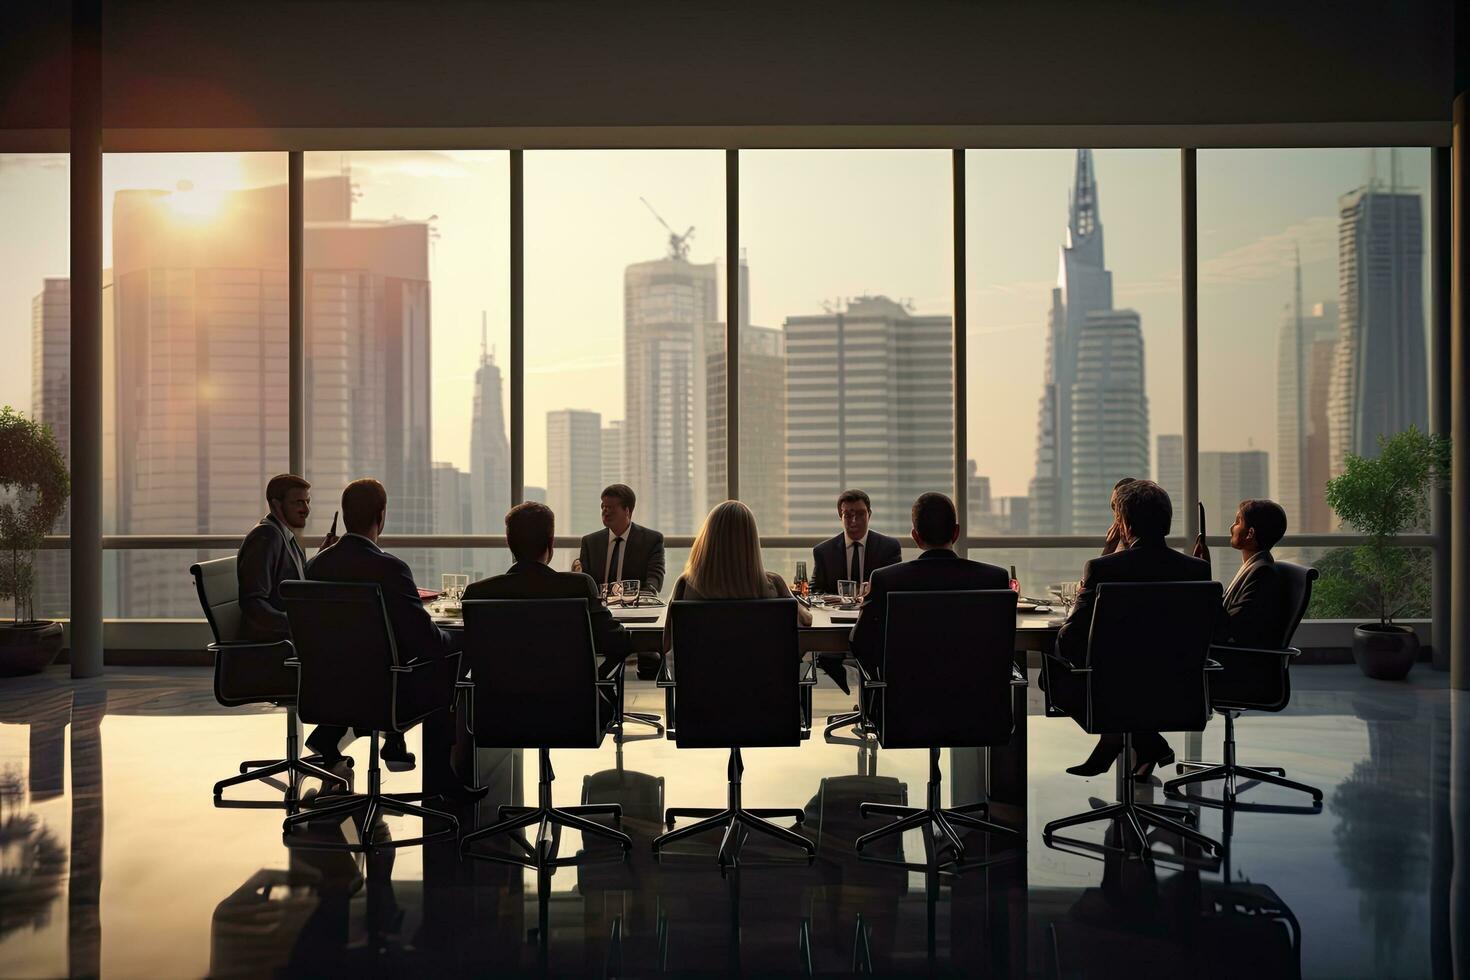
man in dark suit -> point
(857, 552)
(270, 555)
(623, 550)
(529, 530)
(357, 558)
(1256, 613)
(1144, 517)
(936, 528)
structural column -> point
(517, 326)
(734, 317)
(296, 314)
(86, 338)
(1189, 275)
(1439, 397)
(1459, 402)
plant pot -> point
(28, 648)
(1385, 653)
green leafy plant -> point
(1384, 497)
(34, 487)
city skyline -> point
(1239, 259)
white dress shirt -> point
(855, 569)
(610, 575)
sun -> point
(190, 202)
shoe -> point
(1101, 759)
(328, 749)
(462, 795)
(395, 755)
(1145, 769)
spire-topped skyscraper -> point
(1093, 424)
(489, 450)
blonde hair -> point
(725, 562)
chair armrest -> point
(239, 646)
(606, 682)
(1263, 651)
(292, 662)
(665, 676)
(808, 676)
(1018, 679)
(1213, 665)
(464, 685)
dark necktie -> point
(855, 571)
(612, 565)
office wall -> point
(324, 63)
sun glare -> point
(191, 202)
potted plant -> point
(34, 486)
(1383, 497)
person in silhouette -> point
(357, 558)
(858, 551)
(1144, 517)
(725, 563)
(936, 528)
(272, 554)
(529, 530)
(1255, 605)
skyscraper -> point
(668, 305)
(1225, 479)
(869, 404)
(762, 424)
(1380, 381)
(1093, 416)
(612, 453)
(199, 333)
(1303, 372)
(50, 405)
(574, 469)
(452, 515)
(489, 449)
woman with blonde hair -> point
(725, 563)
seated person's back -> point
(530, 529)
(1146, 557)
(725, 563)
(937, 568)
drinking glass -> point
(630, 591)
(1067, 591)
(847, 591)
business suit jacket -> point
(643, 556)
(269, 556)
(1255, 606)
(829, 559)
(935, 570)
(535, 580)
(1145, 561)
(356, 559)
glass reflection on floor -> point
(159, 882)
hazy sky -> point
(816, 225)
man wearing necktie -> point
(622, 550)
(270, 555)
(858, 551)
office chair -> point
(736, 676)
(353, 675)
(1252, 679)
(247, 672)
(948, 671)
(1147, 670)
(533, 665)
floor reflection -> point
(1372, 885)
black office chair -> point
(246, 672)
(1147, 669)
(736, 676)
(533, 666)
(1252, 679)
(948, 670)
(352, 674)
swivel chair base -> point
(1229, 773)
(293, 767)
(933, 814)
(641, 718)
(369, 806)
(1134, 816)
(548, 819)
(735, 820)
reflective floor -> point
(114, 861)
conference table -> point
(997, 775)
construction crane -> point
(678, 244)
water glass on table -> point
(629, 591)
(847, 591)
